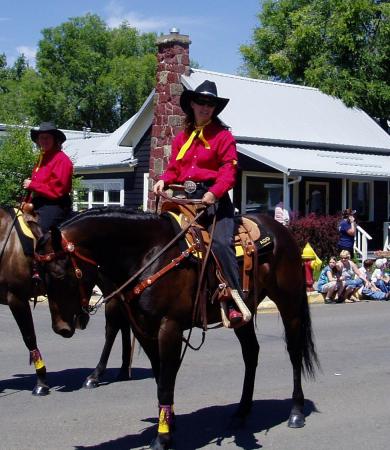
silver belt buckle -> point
(189, 186)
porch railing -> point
(386, 232)
(361, 243)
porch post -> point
(286, 197)
(343, 194)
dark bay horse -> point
(16, 290)
(117, 244)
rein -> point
(18, 210)
(161, 252)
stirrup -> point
(246, 314)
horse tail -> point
(309, 354)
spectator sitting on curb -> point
(352, 277)
(371, 292)
(379, 277)
(330, 281)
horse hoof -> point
(90, 383)
(161, 442)
(40, 391)
(296, 420)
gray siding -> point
(134, 184)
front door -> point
(317, 198)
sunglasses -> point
(205, 102)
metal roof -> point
(102, 151)
(279, 113)
(314, 162)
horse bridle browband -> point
(68, 248)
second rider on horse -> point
(204, 157)
(50, 183)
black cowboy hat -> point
(207, 89)
(50, 128)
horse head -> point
(70, 275)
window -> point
(261, 192)
(96, 193)
(361, 199)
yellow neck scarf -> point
(198, 132)
(38, 165)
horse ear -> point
(56, 239)
(34, 226)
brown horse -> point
(117, 244)
(16, 290)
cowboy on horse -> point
(50, 183)
(204, 162)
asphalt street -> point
(347, 406)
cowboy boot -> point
(234, 316)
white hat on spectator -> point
(380, 263)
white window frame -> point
(145, 192)
(370, 196)
(388, 199)
(90, 184)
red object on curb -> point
(309, 275)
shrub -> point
(320, 231)
(17, 158)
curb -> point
(268, 305)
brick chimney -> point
(172, 61)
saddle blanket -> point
(25, 235)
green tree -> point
(340, 46)
(17, 157)
(3, 73)
(91, 75)
(19, 86)
(87, 75)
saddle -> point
(249, 238)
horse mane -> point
(109, 212)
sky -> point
(216, 28)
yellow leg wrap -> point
(39, 364)
(36, 358)
(165, 419)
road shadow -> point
(68, 380)
(210, 426)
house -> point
(294, 142)
(115, 167)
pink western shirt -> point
(217, 164)
(53, 178)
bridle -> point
(69, 248)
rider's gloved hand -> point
(209, 198)
(158, 187)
